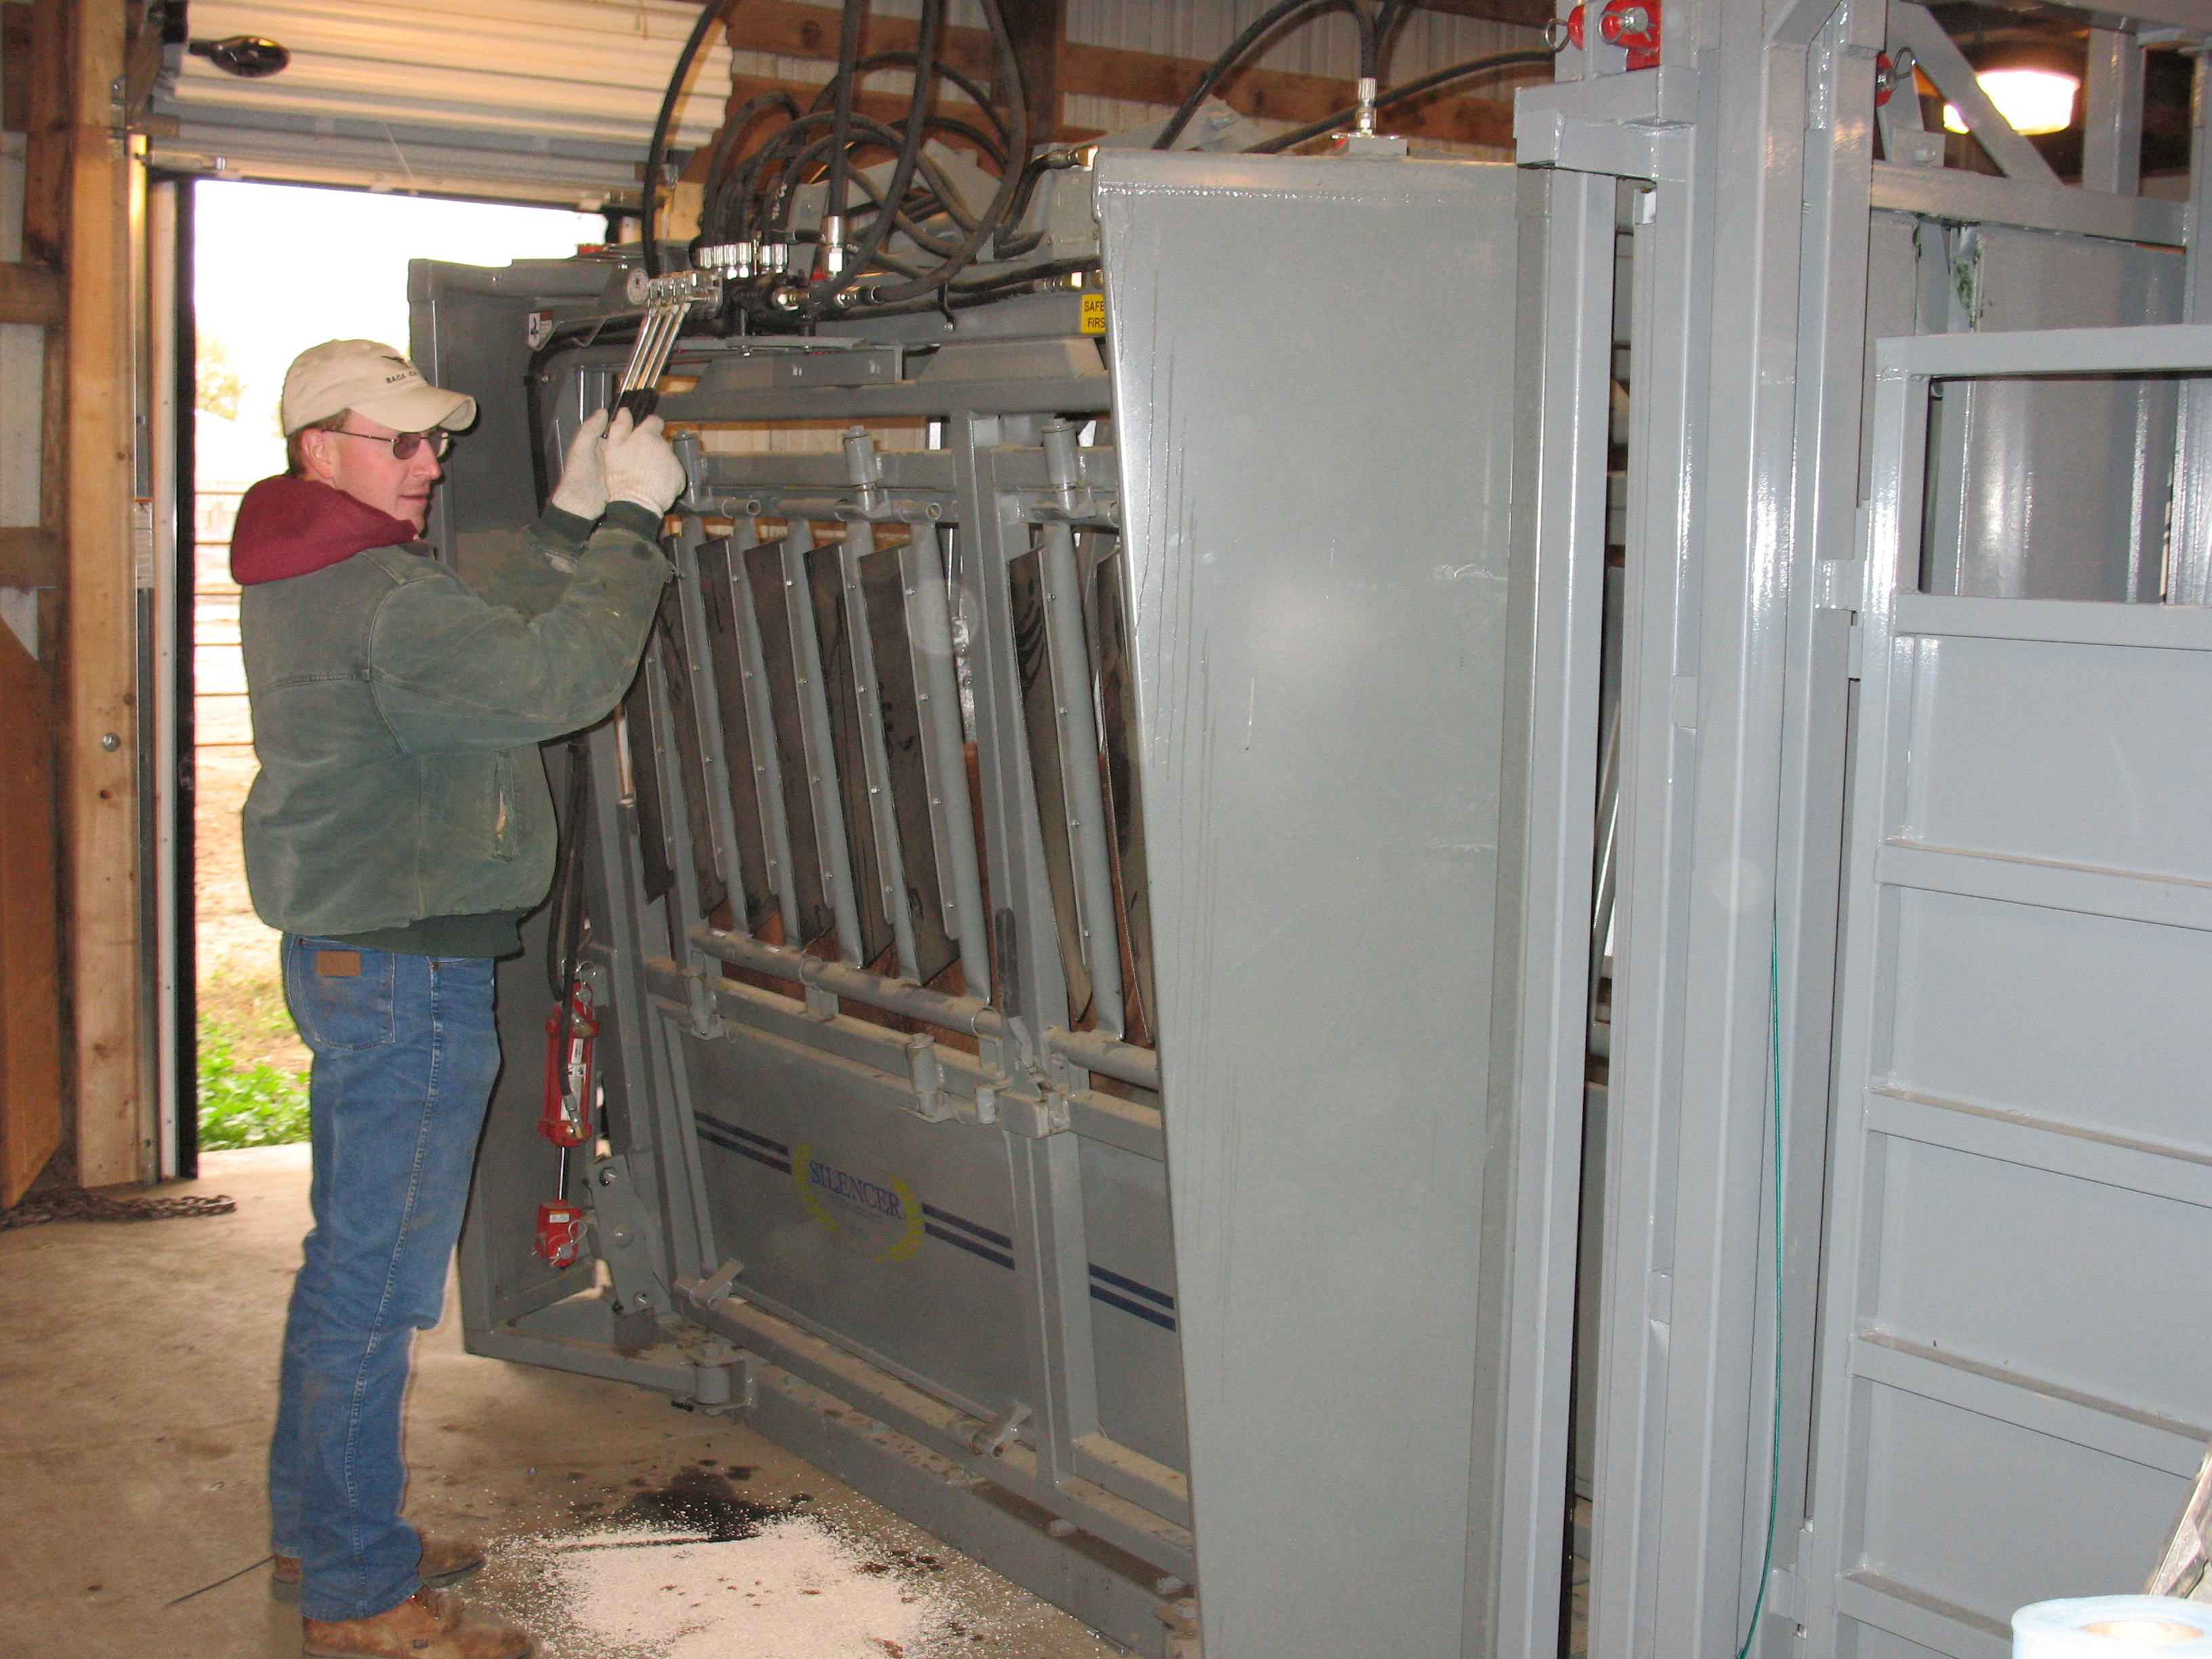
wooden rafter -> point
(790, 29)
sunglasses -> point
(404, 444)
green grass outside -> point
(249, 1096)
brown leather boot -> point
(427, 1625)
(444, 1561)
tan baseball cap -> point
(373, 379)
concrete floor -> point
(138, 1362)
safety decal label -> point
(1094, 313)
(876, 1215)
(880, 1218)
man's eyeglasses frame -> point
(404, 444)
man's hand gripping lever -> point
(583, 487)
(640, 465)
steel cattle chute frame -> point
(976, 758)
(1120, 1060)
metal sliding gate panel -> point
(1316, 449)
(2013, 1394)
(919, 1077)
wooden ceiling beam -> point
(790, 29)
(1527, 14)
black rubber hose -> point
(1051, 161)
(841, 126)
(748, 179)
(876, 60)
(1252, 33)
(656, 153)
(791, 177)
(786, 138)
(1392, 14)
(1412, 88)
(964, 296)
(718, 164)
(909, 151)
(1017, 144)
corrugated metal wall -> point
(556, 97)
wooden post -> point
(1037, 27)
(30, 990)
(99, 810)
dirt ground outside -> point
(240, 994)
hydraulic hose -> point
(1017, 145)
(840, 125)
(1252, 33)
(718, 165)
(909, 151)
(656, 153)
(876, 60)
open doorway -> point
(275, 270)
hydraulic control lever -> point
(668, 301)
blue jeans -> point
(405, 1053)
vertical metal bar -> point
(820, 751)
(699, 655)
(2189, 556)
(1815, 724)
(1073, 700)
(760, 720)
(2112, 122)
(890, 862)
(650, 1114)
(1055, 1274)
(681, 904)
(1031, 986)
(1567, 409)
(1713, 570)
(1634, 1321)
(936, 691)
(1898, 484)
(692, 1247)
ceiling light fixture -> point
(2032, 100)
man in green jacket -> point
(399, 830)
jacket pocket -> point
(339, 1012)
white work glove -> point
(641, 466)
(583, 487)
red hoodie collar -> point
(287, 526)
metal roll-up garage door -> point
(539, 100)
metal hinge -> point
(1840, 585)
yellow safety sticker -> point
(1094, 313)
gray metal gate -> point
(2014, 1383)
(1090, 909)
